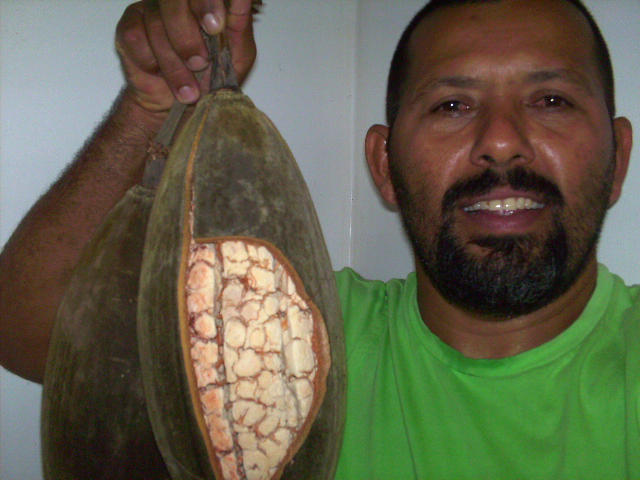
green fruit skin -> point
(94, 418)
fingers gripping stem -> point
(222, 72)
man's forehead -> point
(517, 18)
(544, 26)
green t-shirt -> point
(416, 408)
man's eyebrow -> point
(562, 74)
(455, 81)
(451, 81)
(540, 76)
(532, 78)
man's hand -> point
(161, 46)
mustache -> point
(518, 178)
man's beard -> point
(515, 274)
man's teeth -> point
(505, 204)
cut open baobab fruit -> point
(259, 352)
(239, 323)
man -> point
(509, 354)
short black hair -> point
(400, 62)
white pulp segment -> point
(253, 355)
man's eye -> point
(553, 101)
(451, 106)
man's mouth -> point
(505, 206)
(491, 195)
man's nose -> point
(502, 139)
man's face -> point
(502, 155)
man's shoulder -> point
(353, 286)
(367, 305)
(615, 292)
(614, 310)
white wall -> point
(320, 76)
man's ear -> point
(624, 140)
(378, 160)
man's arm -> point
(160, 47)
